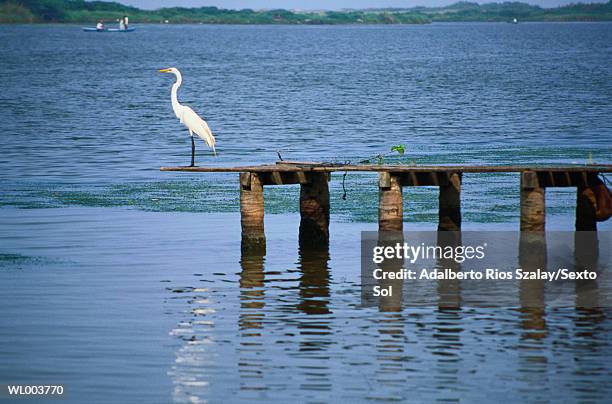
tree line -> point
(73, 11)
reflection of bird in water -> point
(188, 117)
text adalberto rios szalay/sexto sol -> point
(459, 254)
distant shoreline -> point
(111, 24)
(65, 11)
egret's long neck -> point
(175, 104)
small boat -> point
(94, 29)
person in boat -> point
(125, 22)
(121, 24)
(100, 25)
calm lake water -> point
(126, 284)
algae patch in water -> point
(17, 261)
(486, 198)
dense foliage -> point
(26, 11)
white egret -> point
(188, 117)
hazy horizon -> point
(322, 4)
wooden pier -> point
(314, 194)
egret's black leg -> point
(192, 152)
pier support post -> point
(314, 210)
(533, 211)
(252, 211)
(450, 204)
(390, 202)
(585, 210)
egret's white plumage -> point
(198, 125)
(188, 117)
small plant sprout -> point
(380, 158)
(400, 148)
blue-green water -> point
(127, 284)
(86, 118)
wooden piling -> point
(252, 210)
(585, 209)
(390, 202)
(314, 195)
(314, 210)
(450, 204)
(533, 211)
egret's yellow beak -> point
(164, 70)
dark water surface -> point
(136, 289)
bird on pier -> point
(188, 117)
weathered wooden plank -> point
(253, 169)
(301, 177)
(395, 168)
(558, 179)
(300, 163)
(413, 179)
(551, 178)
(286, 178)
(276, 178)
(432, 178)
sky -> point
(322, 4)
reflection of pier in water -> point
(301, 322)
(310, 316)
(448, 327)
(534, 350)
(315, 325)
(251, 319)
(533, 346)
(299, 325)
